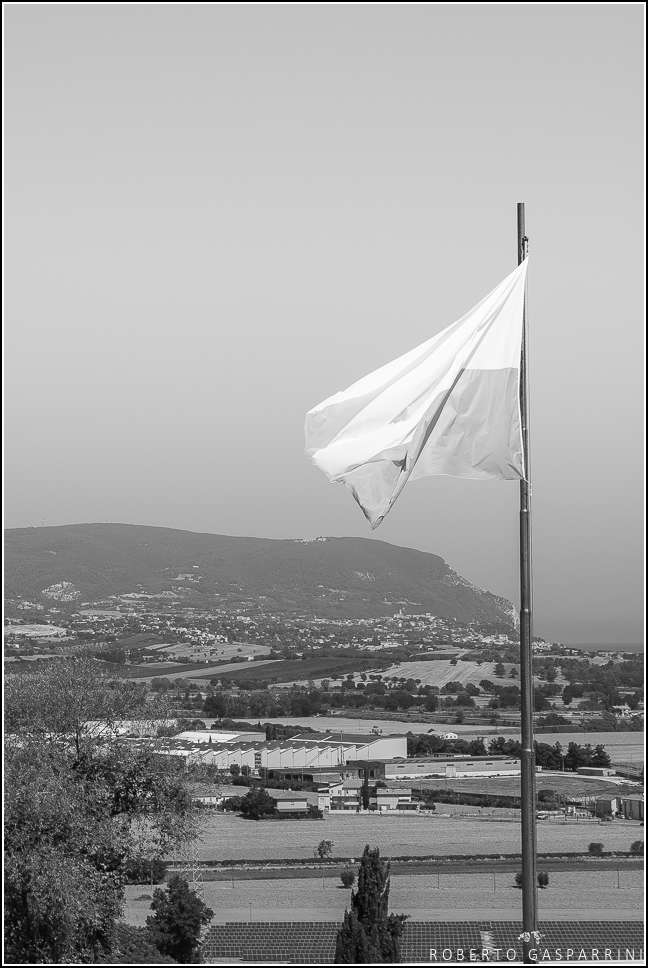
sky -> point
(218, 215)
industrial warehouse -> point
(314, 755)
(252, 750)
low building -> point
(371, 769)
(632, 807)
(349, 795)
(290, 804)
(345, 795)
(596, 770)
(395, 798)
(202, 800)
(452, 767)
(317, 775)
(606, 806)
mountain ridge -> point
(323, 576)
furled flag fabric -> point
(449, 406)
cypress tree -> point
(364, 792)
(369, 934)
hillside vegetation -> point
(327, 577)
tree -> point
(257, 803)
(596, 849)
(324, 849)
(180, 914)
(215, 706)
(600, 756)
(364, 793)
(369, 934)
(82, 809)
(637, 847)
(431, 703)
(347, 877)
(133, 946)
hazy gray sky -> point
(219, 215)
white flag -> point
(450, 406)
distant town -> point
(244, 661)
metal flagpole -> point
(528, 805)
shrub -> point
(595, 849)
(347, 877)
(232, 803)
(324, 849)
(637, 847)
(543, 879)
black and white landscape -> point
(242, 246)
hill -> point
(338, 577)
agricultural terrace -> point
(570, 894)
(229, 837)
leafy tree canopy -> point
(82, 807)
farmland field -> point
(228, 837)
(217, 652)
(293, 670)
(570, 895)
(433, 672)
(194, 670)
(569, 784)
(438, 672)
(622, 746)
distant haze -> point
(218, 215)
